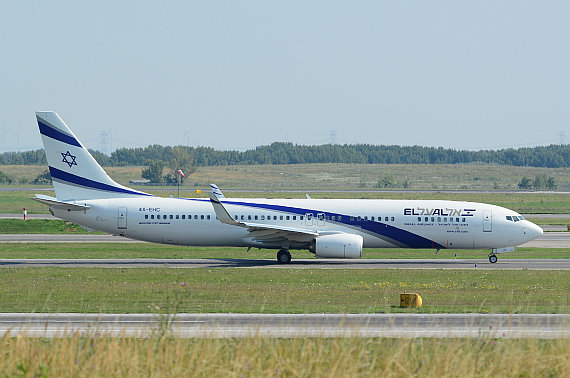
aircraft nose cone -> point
(533, 231)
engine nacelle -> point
(339, 246)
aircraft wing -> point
(262, 232)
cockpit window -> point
(509, 218)
(514, 218)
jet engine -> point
(339, 246)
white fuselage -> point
(381, 223)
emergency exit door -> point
(122, 218)
(487, 221)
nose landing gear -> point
(492, 258)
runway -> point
(470, 264)
(548, 240)
(545, 326)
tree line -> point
(552, 156)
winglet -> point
(221, 212)
(217, 191)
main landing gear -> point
(283, 256)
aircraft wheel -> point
(283, 257)
(493, 259)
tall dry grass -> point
(81, 356)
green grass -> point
(39, 226)
(550, 221)
(417, 176)
(148, 250)
(292, 290)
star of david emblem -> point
(65, 159)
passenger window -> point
(281, 217)
(201, 217)
(294, 217)
(196, 216)
(386, 219)
(183, 216)
(152, 217)
(426, 219)
(208, 217)
(339, 218)
(263, 217)
(301, 217)
(255, 217)
(372, 219)
(352, 219)
(171, 216)
(445, 219)
(275, 217)
(249, 217)
(463, 220)
(439, 219)
(146, 216)
(359, 219)
(177, 216)
(457, 220)
(433, 219)
(392, 219)
(287, 217)
(419, 219)
(242, 217)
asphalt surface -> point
(547, 326)
(502, 264)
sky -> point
(238, 74)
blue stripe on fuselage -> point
(406, 238)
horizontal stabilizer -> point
(53, 202)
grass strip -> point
(39, 226)
(240, 290)
(87, 356)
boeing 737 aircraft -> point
(330, 228)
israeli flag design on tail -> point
(76, 175)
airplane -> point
(329, 228)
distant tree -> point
(387, 181)
(5, 179)
(551, 183)
(154, 171)
(182, 159)
(525, 183)
(539, 181)
(43, 178)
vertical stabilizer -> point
(76, 175)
